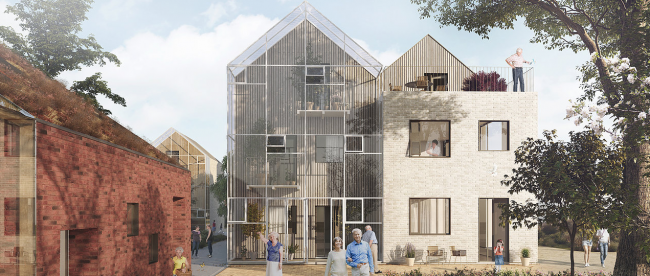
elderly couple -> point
(359, 255)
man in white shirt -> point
(517, 61)
(433, 149)
(603, 244)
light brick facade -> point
(464, 177)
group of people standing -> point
(603, 243)
(361, 254)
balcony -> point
(449, 78)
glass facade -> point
(304, 138)
(17, 193)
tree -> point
(575, 184)
(53, 46)
(483, 81)
(220, 188)
(604, 28)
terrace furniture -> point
(458, 253)
(422, 82)
(433, 253)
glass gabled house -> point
(304, 138)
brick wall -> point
(464, 177)
(84, 185)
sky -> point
(174, 56)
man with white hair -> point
(517, 61)
(359, 256)
(370, 237)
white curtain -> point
(430, 216)
(277, 219)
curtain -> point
(277, 219)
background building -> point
(204, 168)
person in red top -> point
(498, 255)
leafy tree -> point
(604, 28)
(220, 188)
(483, 81)
(52, 43)
(576, 184)
(255, 213)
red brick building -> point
(78, 205)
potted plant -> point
(336, 102)
(289, 177)
(243, 252)
(292, 250)
(410, 253)
(525, 256)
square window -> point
(354, 210)
(354, 143)
(329, 149)
(174, 154)
(493, 135)
(153, 248)
(429, 216)
(12, 139)
(429, 139)
(132, 219)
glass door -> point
(489, 230)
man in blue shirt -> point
(370, 237)
(359, 256)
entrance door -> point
(323, 231)
(489, 230)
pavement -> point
(550, 259)
(211, 266)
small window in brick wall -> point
(132, 219)
(12, 139)
(153, 248)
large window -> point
(429, 139)
(132, 219)
(493, 135)
(429, 216)
(329, 148)
(12, 139)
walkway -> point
(211, 266)
(551, 259)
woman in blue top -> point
(274, 254)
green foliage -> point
(525, 253)
(93, 86)
(220, 188)
(575, 183)
(410, 250)
(243, 251)
(255, 214)
(292, 248)
(51, 43)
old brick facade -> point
(84, 185)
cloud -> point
(115, 9)
(386, 57)
(218, 10)
(178, 80)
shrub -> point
(484, 272)
(525, 253)
(483, 81)
(549, 229)
(410, 250)
(218, 238)
(292, 248)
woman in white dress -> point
(336, 265)
(274, 254)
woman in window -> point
(273, 254)
(178, 261)
(336, 265)
(433, 149)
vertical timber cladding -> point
(426, 56)
(270, 97)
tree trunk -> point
(572, 236)
(630, 259)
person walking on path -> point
(603, 244)
(208, 239)
(587, 234)
(359, 256)
(517, 61)
(274, 254)
(370, 237)
(196, 239)
(498, 255)
(178, 261)
(336, 265)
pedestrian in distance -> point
(208, 239)
(370, 237)
(603, 244)
(196, 239)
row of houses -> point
(322, 138)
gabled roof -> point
(4, 102)
(307, 12)
(171, 131)
(428, 51)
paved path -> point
(211, 266)
(551, 259)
